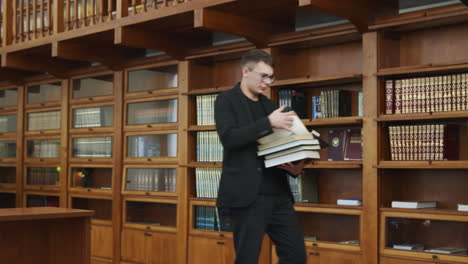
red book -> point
(353, 145)
(336, 139)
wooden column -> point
(369, 231)
(7, 22)
(64, 147)
(122, 8)
(118, 159)
(58, 23)
(182, 172)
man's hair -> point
(252, 57)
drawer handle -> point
(220, 242)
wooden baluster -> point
(101, 10)
(34, 31)
(155, 4)
(42, 19)
(134, 7)
(15, 21)
(75, 12)
(144, 5)
(109, 9)
(176, 2)
(84, 12)
(49, 17)
(68, 14)
(22, 22)
(28, 19)
(93, 12)
(165, 3)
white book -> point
(292, 150)
(463, 207)
(351, 201)
(408, 246)
(414, 204)
(300, 155)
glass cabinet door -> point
(151, 179)
(164, 111)
(164, 145)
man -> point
(259, 199)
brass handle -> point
(434, 256)
(220, 242)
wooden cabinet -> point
(219, 250)
(149, 247)
(101, 241)
(335, 257)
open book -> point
(297, 128)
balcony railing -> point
(26, 20)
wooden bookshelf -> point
(103, 80)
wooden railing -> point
(33, 19)
(85, 13)
(142, 6)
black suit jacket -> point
(238, 132)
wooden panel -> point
(329, 227)
(162, 248)
(101, 241)
(385, 260)
(335, 184)
(336, 257)
(319, 62)
(133, 245)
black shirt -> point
(270, 185)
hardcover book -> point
(414, 204)
(296, 156)
(336, 139)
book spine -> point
(398, 97)
(389, 97)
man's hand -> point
(278, 119)
(295, 169)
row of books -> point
(210, 218)
(152, 112)
(209, 147)
(44, 148)
(164, 145)
(427, 94)
(7, 149)
(44, 120)
(424, 205)
(439, 250)
(304, 189)
(96, 147)
(207, 182)
(93, 117)
(205, 109)
(7, 123)
(159, 180)
(344, 144)
(294, 100)
(333, 103)
(424, 142)
(42, 176)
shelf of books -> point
(151, 176)
(92, 159)
(11, 138)
(328, 98)
(43, 178)
(422, 122)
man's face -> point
(257, 79)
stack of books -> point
(349, 201)
(283, 146)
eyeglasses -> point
(265, 77)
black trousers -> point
(275, 216)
